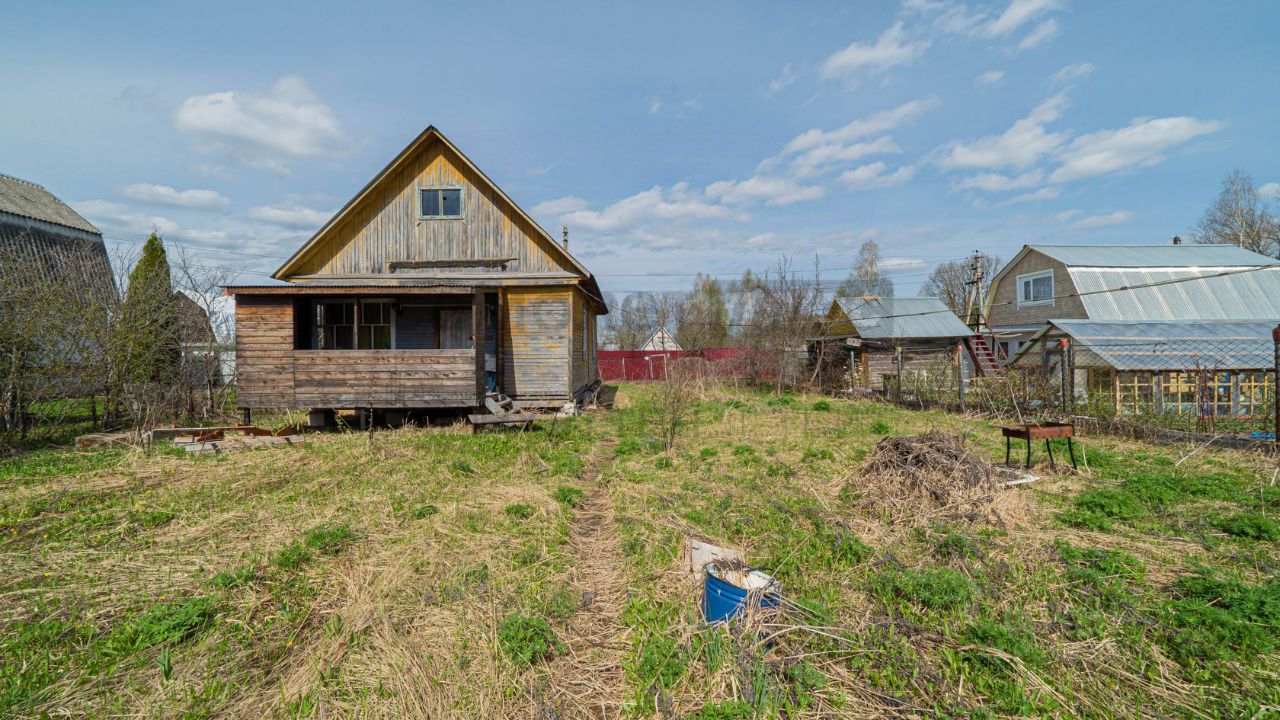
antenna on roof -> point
(564, 233)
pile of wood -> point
(205, 440)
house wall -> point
(536, 337)
(1004, 310)
(583, 345)
(274, 375)
(386, 227)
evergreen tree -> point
(150, 340)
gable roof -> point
(426, 136)
(29, 200)
(660, 339)
(883, 318)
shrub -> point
(1251, 526)
(526, 640)
(569, 496)
(330, 539)
(518, 511)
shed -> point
(429, 289)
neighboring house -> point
(1078, 282)
(204, 357)
(660, 341)
(428, 289)
(1149, 328)
(42, 239)
(864, 335)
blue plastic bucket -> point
(723, 600)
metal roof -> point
(26, 199)
(885, 318)
(1209, 345)
(1253, 295)
(1152, 256)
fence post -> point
(898, 363)
(960, 372)
(1275, 381)
(1065, 366)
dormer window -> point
(438, 203)
(1035, 288)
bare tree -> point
(866, 277)
(784, 315)
(639, 316)
(702, 319)
(950, 280)
(207, 327)
(1237, 217)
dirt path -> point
(587, 679)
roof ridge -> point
(15, 178)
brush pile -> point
(919, 479)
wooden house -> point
(429, 289)
(864, 336)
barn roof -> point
(29, 200)
(883, 318)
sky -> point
(671, 138)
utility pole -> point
(973, 306)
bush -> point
(1251, 526)
(526, 640)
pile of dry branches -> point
(918, 479)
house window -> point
(437, 203)
(336, 325)
(375, 325)
(1036, 288)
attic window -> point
(1036, 288)
(441, 202)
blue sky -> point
(670, 138)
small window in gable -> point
(441, 202)
(1036, 289)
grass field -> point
(432, 573)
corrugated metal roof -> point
(1251, 295)
(1153, 256)
(1215, 345)
(902, 317)
(19, 197)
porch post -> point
(477, 335)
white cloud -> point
(995, 182)
(772, 190)
(165, 195)
(655, 106)
(1137, 145)
(269, 130)
(674, 108)
(560, 205)
(671, 205)
(1074, 71)
(1093, 222)
(1066, 215)
(1043, 33)
(890, 49)
(819, 159)
(873, 175)
(783, 81)
(291, 215)
(1044, 193)
(1271, 190)
(1021, 145)
(990, 77)
(862, 127)
(1017, 14)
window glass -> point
(431, 203)
(335, 325)
(1036, 289)
(451, 203)
(375, 325)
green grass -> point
(524, 639)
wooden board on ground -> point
(241, 443)
(481, 420)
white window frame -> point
(1023, 279)
(462, 202)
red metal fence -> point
(641, 365)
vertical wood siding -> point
(535, 343)
(386, 227)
